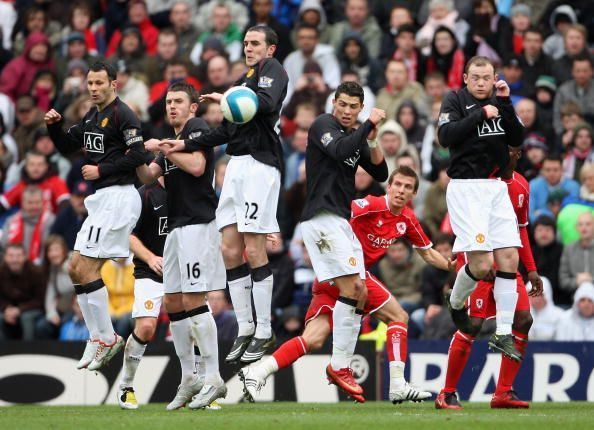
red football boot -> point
(358, 398)
(508, 400)
(447, 401)
(344, 379)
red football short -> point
(482, 302)
(325, 294)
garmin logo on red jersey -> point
(380, 242)
(94, 142)
(490, 127)
(163, 226)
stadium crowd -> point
(406, 54)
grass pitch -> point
(288, 416)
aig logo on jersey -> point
(163, 226)
(490, 127)
(94, 142)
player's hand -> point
(213, 97)
(452, 265)
(52, 117)
(156, 264)
(152, 145)
(502, 89)
(271, 238)
(536, 283)
(491, 111)
(377, 116)
(169, 146)
(90, 172)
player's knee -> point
(145, 329)
(255, 254)
(481, 268)
(314, 342)
(402, 316)
(523, 322)
(231, 253)
(73, 270)
(360, 290)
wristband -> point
(372, 143)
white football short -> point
(112, 214)
(481, 214)
(193, 260)
(333, 248)
(148, 296)
(249, 196)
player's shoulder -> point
(409, 214)
(123, 108)
(370, 204)
(324, 120)
(520, 181)
(270, 64)
(196, 126)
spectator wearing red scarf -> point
(446, 57)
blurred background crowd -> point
(407, 54)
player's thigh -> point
(257, 206)
(171, 266)
(193, 300)
(232, 246)
(333, 248)
(317, 331)
(479, 262)
(148, 297)
(173, 302)
(350, 286)
(85, 269)
(226, 214)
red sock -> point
(290, 351)
(397, 343)
(509, 368)
(457, 358)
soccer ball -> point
(239, 104)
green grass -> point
(287, 416)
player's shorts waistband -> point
(242, 157)
(476, 181)
(112, 188)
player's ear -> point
(270, 50)
(496, 77)
(194, 107)
(465, 77)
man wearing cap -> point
(512, 73)
(535, 150)
(30, 118)
(71, 217)
(545, 88)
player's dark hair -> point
(478, 60)
(185, 87)
(405, 171)
(351, 89)
(97, 66)
(553, 157)
(271, 37)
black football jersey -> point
(151, 228)
(190, 199)
(111, 139)
(331, 160)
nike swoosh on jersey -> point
(471, 106)
(158, 207)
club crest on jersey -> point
(250, 73)
(361, 203)
(93, 142)
(480, 238)
(163, 226)
(265, 82)
(490, 127)
(149, 305)
(444, 118)
(401, 227)
(104, 122)
(479, 303)
(353, 261)
(520, 200)
(326, 138)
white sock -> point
(506, 296)
(343, 319)
(463, 287)
(356, 329)
(241, 297)
(99, 306)
(262, 293)
(397, 380)
(199, 363)
(204, 331)
(184, 348)
(83, 303)
(267, 365)
(132, 355)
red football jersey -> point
(377, 228)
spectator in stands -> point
(79, 22)
(309, 88)
(404, 49)
(224, 318)
(533, 61)
(132, 90)
(545, 88)
(442, 14)
(132, 50)
(21, 294)
(400, 270)
(579, 152)
(36, 20)
(572, 207)
(547, 255)
(167, 50)
(365, 185)
(398, 89)
(446, 57)
(74, 84)
(549, 180)
(580, 90)
(227, 31)
(359, 20)
(44, 89)
(282, 268)
(528, 114)
(353, 55)
(435, 201)
(418, 202)
(513, 75)
(298, 145)
(490, 33)
(309, 48)
(571, 117)
(520, 17)
(560, 21)
(70, 218)
(295, 196)
(217, 75)
(75, 50)
(59, 292)
(535, 151)
(138, 18)
(312, 13)
(187, 33)
(545, 314)
(18, 75)
(407, 115)
(44, 145)
(392, 138)
(74, 327)
(118, 275)
(291, 323)
(576, 44)
(30, 226)
(400, 19)
(577, 323)
(37, 172)
(577, 260)
(29, 118)
(261, 13)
